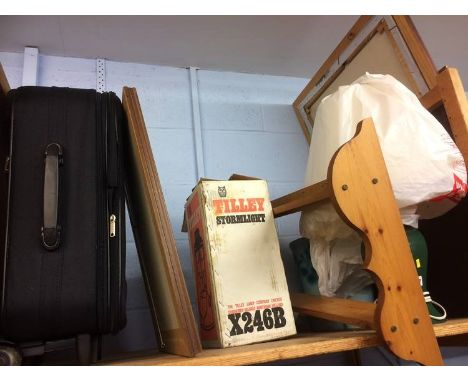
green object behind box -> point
(420, 255)
(309, 279)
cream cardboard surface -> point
(241, 285)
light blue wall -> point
(248, 127)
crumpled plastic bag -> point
(426, 169)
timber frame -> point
(352, 168)
(444, 89)
(413, 57)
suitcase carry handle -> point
(50, 231)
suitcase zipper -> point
(113, 199)
(103, 269)
(112, 221)
(121, 213)
(109, 223)
(109, 316)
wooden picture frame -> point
(168, 299)
(376, 44)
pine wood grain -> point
(343, 310)
(417, 49)
(377, 52)
(4, 89)
(403, 62)
(298, 200)
(300, 346)
(242, 177)
(431, 99)
(456, 106)
(363, 196)
(410, 37)
(162, 272)
(4, 85)
(303, 125)
(344, 43)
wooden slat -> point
(168, 297)
(242, 177)
(417, 49)
(412, 40)
(305, 130)
(298, 200)
(456, 106)
(348, 311)
(336, 78)
(413, 85)
(4, 89)
(298, 347)
(363, 197)
(4, 85)
(452, 327)
(431, 99)
(345, 42)
(301, 346)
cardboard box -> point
(241, 285)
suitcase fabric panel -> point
(48, 292)
(80, 286)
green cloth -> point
(420, 256)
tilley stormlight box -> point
(241, 286)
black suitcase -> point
(63, 265)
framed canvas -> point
(173, 319)
(375, 44)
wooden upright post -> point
(363, 196)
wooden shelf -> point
(297, 347)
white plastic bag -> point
(426, 169)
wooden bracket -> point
(431, 99)
(401, 315)
(452, 94)
(4, 85)
(418, 50)
(298, 200)
(4, 89)
(363, 196)
(359, 187)
(351, 312)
